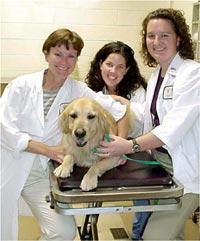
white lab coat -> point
(22, 119)
(137, 97)
(178, 108)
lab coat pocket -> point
(163, 108)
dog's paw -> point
(62, 171)
(89, 182)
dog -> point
(84, 123)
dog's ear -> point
(64, 121)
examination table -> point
(129, 182)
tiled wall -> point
(25, 24)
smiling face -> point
(162, 41)
(113, 69)
(61, 61)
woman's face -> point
(61, 61)
(113, 69)
(162, 41)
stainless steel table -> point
(104, 200)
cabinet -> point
(196, 29)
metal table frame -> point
(96, 201)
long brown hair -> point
(131, 81)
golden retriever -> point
(84, 124)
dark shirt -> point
(153, 109)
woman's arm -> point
(119, 146)
(52, 152)
(12, 105)
(149, 141)
(123, 125)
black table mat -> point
(127, 175)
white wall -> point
(25, 24)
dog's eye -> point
(91, 116)
(73, 115)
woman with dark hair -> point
(171, 116)
(115, 71)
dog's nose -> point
(80, 132)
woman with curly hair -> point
(115, 71)
(171, 116)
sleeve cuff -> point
(23, 143)
(159, 133)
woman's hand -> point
(52, 152)
(56, 153)
(116, 147)
(119, 146)
(121, 99)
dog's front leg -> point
(65, 168)
(90, 179)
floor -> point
(29, 229)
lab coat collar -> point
(175, 64)
(171, 71)
(169, 76)
(173, 67)
(37, 96)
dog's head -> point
(86, 120)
